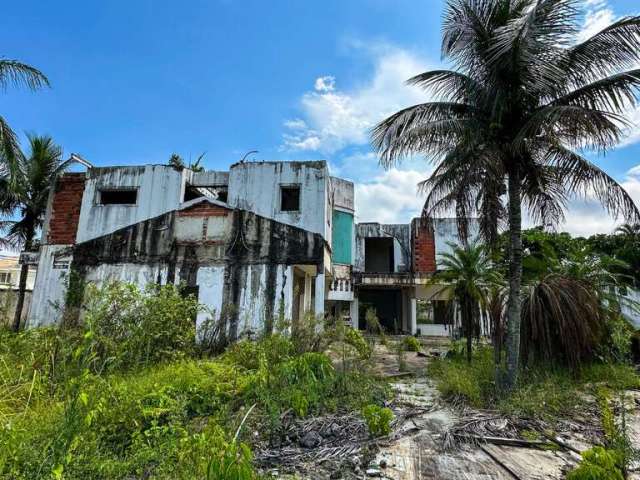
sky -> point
(134, 81)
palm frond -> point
(15, 73)
(582, 177)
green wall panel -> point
(342, 237)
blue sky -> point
(133, 82)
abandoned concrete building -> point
(272, 239)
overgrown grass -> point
(542, 391)
(98, 402)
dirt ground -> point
(421, 445)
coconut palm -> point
(468, 272)
(523, 99)
(16, 74)
(23, 199)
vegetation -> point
(613, 460)
(524, 97)
(24, 192)
(543, 391)
(412, 344)
(469, 273)
(177, 162)
(127, 393)
(378, 420)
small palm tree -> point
(16, 74)
(469, 273)
(524, 97)
(23, 199)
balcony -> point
(341, 285)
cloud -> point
(325, 84)
(598, 15)
(391, 197)
(335, 118)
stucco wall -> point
(160, 190)
(401, 233)
(446, 230)
(50, 287)
(255, 186)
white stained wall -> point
(255, 186)
(160, 190)
(50, 287)
(445, 231)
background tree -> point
(23, 200)
(522, 99)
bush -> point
(356, 340)
(412, 344)
(378, 420)
(597, 464)
(618, 340)
(94, 401)
(136, 328)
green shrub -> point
(378, 420)
(616, 346)
(135, 328)
(412, 344)
(597, 464)
(356, 340)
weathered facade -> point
(271, 239)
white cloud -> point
(325, 84)
(598, 15)
(391, 197)
(338, 118)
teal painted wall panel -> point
(342, 237)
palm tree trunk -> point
(515, 278)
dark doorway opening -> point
(442, 312)
(388, 307)
(378, 255)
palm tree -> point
(23, 195)
(469, 273)
(16, 74)
(631, 230)
(523, 98)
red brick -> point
(424, 247)
(204, 209)
(65, 209)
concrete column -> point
(353, 312)
(319, 300)
(306, 303)
(413, 323)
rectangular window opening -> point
(215, 192)
(128, 196)
(290, 198)
(5, 277)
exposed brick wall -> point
(204, 209)
(65, 211)
(423, 245)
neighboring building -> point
(9, 280)
(10, 273)
(271, 239)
